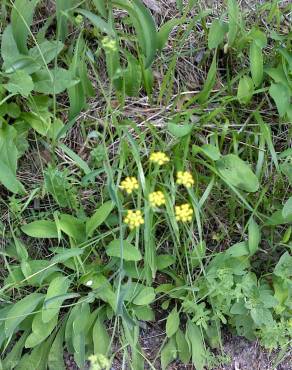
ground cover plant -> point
(145, 181)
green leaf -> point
(278, 219)
(21, 19)
(41, 229)
(54, 297)
(179, 130)
(132, 76)
(164, 260)
(168, 353)
(281, 95)
(13, 357)
(287, 209)
(8, 159)
(210, 82)
(40, 330)
(165, 30)
(20, 310)
(216, 33)
(172, 323)
(19, 83)
(9, 51)
(182, 347)
(254, 236)
(62, 10)
(46, 52)
(53, 81)
(55, 359)
(195, 341)
(101, 7)
(237, 173)
(145, 296)
(40, 122)
(128, 252)
(233, 21)
(211, 151)
(72, 226)
(256, 63)
(144, 25)
(101, 339)
(100, 215)
(98, 22)
(75, 157)
(66, 254)
(238, 250)
(245, 90)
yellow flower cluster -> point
(184, 212)
(159, 158)
(185, 178)
(156, 198)
(98, 362)
(109, 44)
(129, 185)
(134, 219)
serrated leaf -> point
(41, 229)
(128, 252)
(172, 323)
(100, 215)
(57, 288)
(254, 236)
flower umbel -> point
(156, 198)
(129, 185)
(159, 158)
(185, 178)
(134, 219)
(184, 212)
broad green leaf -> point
(238, 250)
(21, 19)
(237, 173)
(145, 296)
(72, 226)
(183, 350)
(128, 252)
(179, 130)
(57, 287)
(40, 330)
(20, 310)
(9, 51)
(101, 7)
(8, 159)
(210, 81)
(216, 33)
(79, 333)
(46, 51)
(19, 83)
(56, 359)
(101, 339)
(211, 151)
(254, 236)
(53, 81)
(97, 21)
(195, 340)
(281, 95)
(100, 215)
(256, 63)
(278, 219)
(287, 209)
(168, 353)
(144, 26)
(164, 260)
(64, 255)
(172, 323)
(41, 229)
(245, 90)
(40, 122)
(233, 20)
(258, 37)
(13, 357)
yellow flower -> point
(156, 198)
(129, 185)
(185, 178)
(109, 44)
(159, 157)
(184, 212)
(134, 219)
